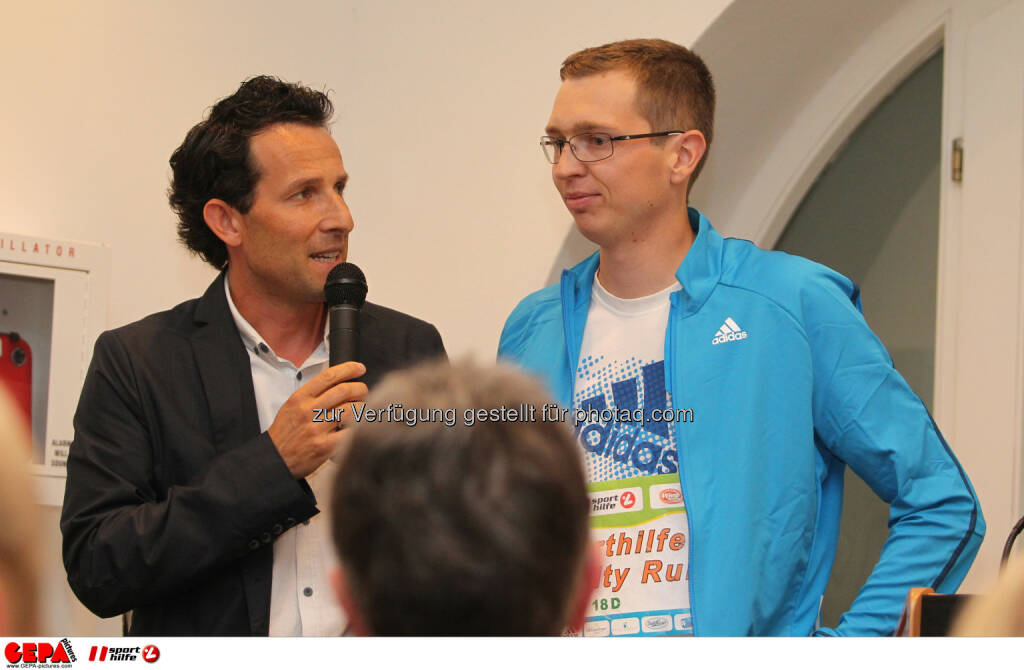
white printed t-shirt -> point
(638, 518)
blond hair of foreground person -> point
(19, 578)
(998, 613)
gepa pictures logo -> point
(39, 654)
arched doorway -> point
(873, 215)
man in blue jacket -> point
(719, 390)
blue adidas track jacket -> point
(776, 417)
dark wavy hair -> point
(214, 159)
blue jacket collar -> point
(701, 269)
(699, 272)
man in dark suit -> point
(198, 472)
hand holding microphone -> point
(303, 443)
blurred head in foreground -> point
(1000, 612)
(460, 526)
(19, 577)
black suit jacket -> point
(173, 494)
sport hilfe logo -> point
(150, 653)
(30, 653)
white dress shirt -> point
(301, 600)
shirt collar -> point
(632, 306)
(251, 338)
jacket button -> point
(289, 522)
(265, 537)
(254, 545)
(277, 529)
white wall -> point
(439, 107)
(771, 62)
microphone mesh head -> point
(346, 285)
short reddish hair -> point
(674, 86)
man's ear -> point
(590, 577)
(691, 147)
(224, 220)
(340, 585)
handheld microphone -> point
(345, 293)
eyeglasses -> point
(590, 147)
